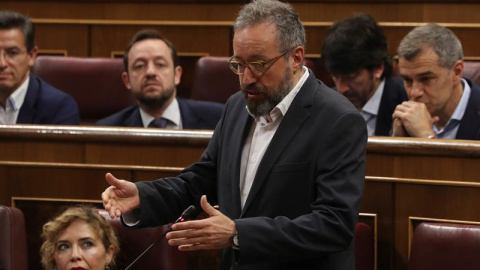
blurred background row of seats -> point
(97, 86)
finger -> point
(435, 119)
(106, 195)
(112, 180)
(189, 225)
(111, 213)
(187, 241)
(118, 213)
(207, 208)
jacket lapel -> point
(189, 121)
(297, 113)
(470, 123)
(28, 111)
(245, 122)
(135, 119)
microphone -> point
(187, 214)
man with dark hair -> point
(24, 98)
(355, 53)
(286, 163)
(152, 73)
(442, 104)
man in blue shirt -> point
(24, 98)
(441, 103)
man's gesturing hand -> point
(210, 233)
(120, 197)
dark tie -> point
(158, 123)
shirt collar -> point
(462, 105)
(373, 104)
(281, 109)
(171, 113)
(17, 98)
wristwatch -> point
(234, 241)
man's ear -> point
(126, 81)
(32, 56)
(457, 69)
(178, 74)
(298, 55)
(378, 72)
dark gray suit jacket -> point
(303, 205)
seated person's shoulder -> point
(120, 118)
(202, 106)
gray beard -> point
(272, 98)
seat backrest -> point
(213, 80)
(94, 83)
(364, 247)
(471, 70)
(445, 246)
(135, 241)
(13, 239)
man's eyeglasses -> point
(12, 55)
(256, 67)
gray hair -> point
(442, 40)
(290, 29)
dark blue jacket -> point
(470, 125)
(393, 94)
(45, 104)
(195, 114)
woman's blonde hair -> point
(53, 228)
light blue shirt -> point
(370, 109)
(449, 131)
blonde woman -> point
(79, 239)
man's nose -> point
(247, 77)
(151, 69)
(342, 86)
(416, 91)
(3, 60)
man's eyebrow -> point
(426, 73)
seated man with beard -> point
(152, 73)
(356, 55)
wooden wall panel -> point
(43, 150)
(392, 11)
(74, 38)
(213, 40)
(134, 10)
(142, 154)
(431, 201)
(104, 38)
(389, 12)
(374, 193)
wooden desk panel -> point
(405, 177)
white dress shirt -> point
(261, 133)
(171, 113)
(9, 114)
